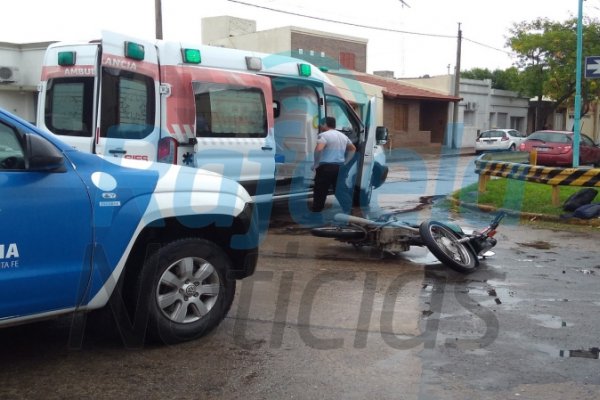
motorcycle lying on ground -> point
(446, 241)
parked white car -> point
(498, 140)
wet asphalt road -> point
(321, 319)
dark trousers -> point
(331, 176)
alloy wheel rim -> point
(188, 290)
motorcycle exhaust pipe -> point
(351, 219)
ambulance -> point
(249, 116)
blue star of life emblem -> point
(188, 159)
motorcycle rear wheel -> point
(339, 232)
(443, 243)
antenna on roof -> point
(404, 3)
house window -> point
(469, 118)
(517, 123)
(348, 60)
(502, 120)
(401, 117)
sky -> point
(412, 40)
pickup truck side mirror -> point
(381, 135)
(41, 155)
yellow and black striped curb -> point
(555, 176)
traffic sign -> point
(592, 67)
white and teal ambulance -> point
(252, 117)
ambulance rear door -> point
(128, 119)
(68, 96)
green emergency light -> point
(66, 58)
(134, 50)
(191, 56)
(304, 70)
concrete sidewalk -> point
(426, 152)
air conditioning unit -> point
(471, 106)
(8, 74)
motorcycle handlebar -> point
(496, 221)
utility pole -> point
(158, 18)
(456, 90)
(577, 124)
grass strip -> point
(521, 196)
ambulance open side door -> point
(128, 118)
(366, 160)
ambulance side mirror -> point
(276, 108)
(381, 135)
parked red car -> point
(556, 148)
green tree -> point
(546, 58)
(501, 79)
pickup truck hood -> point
(177, 178)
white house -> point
(481, 107)
(20, 71)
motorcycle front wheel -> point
(443, 243)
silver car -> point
(499, 139)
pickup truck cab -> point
(163, 243)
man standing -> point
(333, 151)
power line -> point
(368, 26)
(342, 22)
(488, 46)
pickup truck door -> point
(128, 120)
(46, 233)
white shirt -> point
(335, 147)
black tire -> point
(339, 232)
(185, 287)
(443, 243)
(513, 147)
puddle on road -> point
(500, 295)
(538, 244)
(550, 321)
(421, 257)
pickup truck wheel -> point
(186, 289)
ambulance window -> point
(224, 110)
(69, 106)
(346, 121)
(128, 107)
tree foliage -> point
(545, 66)
(546, 59)
(507, 79)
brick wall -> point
(332, 47)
